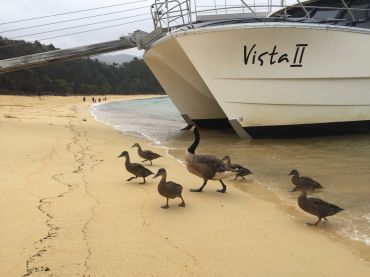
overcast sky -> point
(13, 10)
(122, 14)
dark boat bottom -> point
(310, 130)
(288, 131)
(218, 123)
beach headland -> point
(67, 210)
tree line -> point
(84, 76)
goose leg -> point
(143, 161)
(182, 204)
(314, 224)
(165, 206)
(144, 181)
(201, 188)
(236, 177)
(151, 162)
(243, 177)
(129, 179)
(223, 190)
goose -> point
(146, 154)
(316, 206)
(168, 189)
(137, 169)
(305, 182)
(207, 167)
(240, 170)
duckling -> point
(316, 206)
(168, 189)
(240, 170)
(146, 154)
(305, 182)
(137, 169)
(207, 167)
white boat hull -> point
(319, 75)
(183, 84)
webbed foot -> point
(196, 190)
(165, 207)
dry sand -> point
(66, 209)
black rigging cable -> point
(78, 11)
(86, 31)
(78, 26)
(69, 20)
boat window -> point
(364, 24)
(326, 14)
(359, 9)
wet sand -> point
(66, 209)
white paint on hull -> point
(181, 81)
(331, 86)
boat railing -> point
(174, 13)
(170, 14)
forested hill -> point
(84, 76)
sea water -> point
(340, 164)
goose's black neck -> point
(195, 143)
(303, 194)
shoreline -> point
(260, 191)
(61, 176)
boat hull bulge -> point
(183, 84)
(285, 79)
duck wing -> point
(173, 189)
(140, 169)
(323, 208)
(308, 182)
(151, 154)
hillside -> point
(112, 59)
(84, 76)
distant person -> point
(84, 99)
(93, 99)
(99, 100)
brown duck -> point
(207, 167)
(137, 169)
(316, 206)
(240, 170)
(305, 182)
(168, 189)
(146, 154)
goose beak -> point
(156, 175)
(119, 156)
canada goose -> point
(240, 170)
(206, 167)
(316, 206)
(305, 182)
(168, 189)
(146, 154)
(137, 169)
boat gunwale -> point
(238, 26)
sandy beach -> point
(67, 210)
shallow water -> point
(340, 164)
